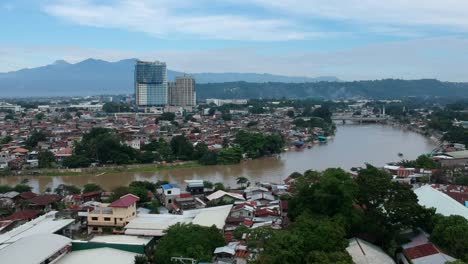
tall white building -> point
(182, 92)
(151, 88)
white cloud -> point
(441, 58)
(162, 18)
(438, 13)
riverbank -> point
(97, 171)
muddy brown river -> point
(352, 146)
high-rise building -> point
(150, 83)
(182, 92)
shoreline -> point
(98, 171)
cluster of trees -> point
(188, 240)
(257, 145)
(112, 107)
(422, 162)
(328, 207)
(22, 187)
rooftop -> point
(98, 256)
(444, 204)
(38, 248)
(364, 252)
(125, 201)
(169, 186)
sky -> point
(349, 39)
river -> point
(352, 146)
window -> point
(169, 192)
(169, 201)
(94, 218)
(121, 219)
(107, 219)
(95, 229)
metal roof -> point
(98, 256)
(444, 204)
(33, 249)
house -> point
(243, 210)
(224, 197)
(421, 251)
(195, 187)
(43, 202)
(113, 216)
(170, 192)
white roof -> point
(364, 252)
(98, 256)
(218, 194)
(433, 259)
(156, 224)
(33, 249)
(224, 249)
(121, 239)
(45, 224)
(444, 204)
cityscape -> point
(233, 132)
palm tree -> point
(241, 181)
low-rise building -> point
(113, 216)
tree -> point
(208, 185)
(22, 188)
(7, 139)
(219, 186)
(112, 107)
(91, 187)
(119, 192)
(450, 233)
(200, 150)
(167, 116)
(181, 147)
(76, 161)
(290, 113)
(145, 157)
(240, 231)
(425, 162)
(40, 116)
(46, 159)
(226, 116)
(258, 145)
(229, 155)
(64, 190)
(150, 186)
(161, 148)
(209, 158)
(34, 138)
(242, 181)
(188, 240)
(5, 188)
(141, 259)
(154, 207)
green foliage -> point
(161, 148)
(64, 190)
(112, 107)
(40, 116)
(104, 145)
(167, 116)
(258, 145)
(34, 138)
(145, 157)
(190, 241)
(425, 162)
(209, 158)
(308, 240)
(181, 147)
(154, 207)
(119, 192)
(140, 259)
(76, 161)
(7, 139)
(138, 188)
(240, 231)
(22, 188)
(5, 188)
(208, 185)
(290, 113)
(328, 193)
(91, 187)
(451, 234)
(150, 186)
(200, 150)
(226, 116)
(219, 186)
(229, 155)
(46, 159)
(242, 181)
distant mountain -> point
(91, 77)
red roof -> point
(420, 251)
(90, 194)
(125, 201)
(44, 199)
(185, 195)
(27, 195)
(24, 215)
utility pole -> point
(183, 260)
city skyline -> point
(350, 39)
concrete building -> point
(114, 216)
(10, 107)
(182, 92)
(151, 87)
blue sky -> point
(350, 39)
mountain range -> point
(92, 76)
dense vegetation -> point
(190, 241)
(380, 89)
(257, 145)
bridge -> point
(359, 119)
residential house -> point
(169, 193)
(43, 202)
(195, 187)
(113, 216)
(224, 197)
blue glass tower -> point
(150, 83)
